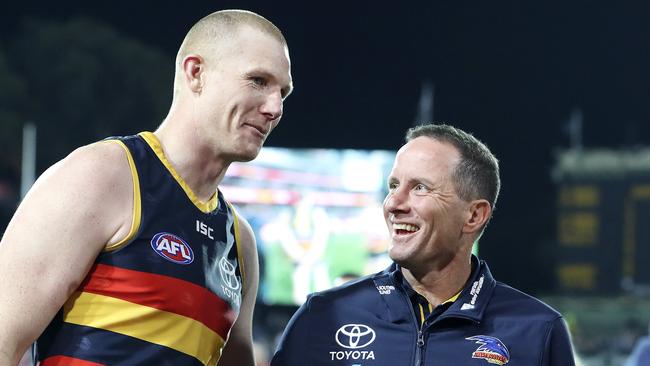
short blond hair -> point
(213, 31)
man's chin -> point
(399, 257)
(248, 154)
(245, 158)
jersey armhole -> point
(240, 253)
(137, 205)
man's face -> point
(424, 215)
(243, 93)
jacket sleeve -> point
(559, 350)
(291, 349)
(640, 353)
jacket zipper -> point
(419, 360)
(419, 342)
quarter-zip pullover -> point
(371, 321)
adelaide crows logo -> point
(491, 350)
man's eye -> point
(421, 187)
(392, 186)
(259, 81)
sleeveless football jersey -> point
(168, 293)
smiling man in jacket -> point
(437, 304)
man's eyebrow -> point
(285, 91)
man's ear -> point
(479, 212)
(193, 68)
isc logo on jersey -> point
(172, 248)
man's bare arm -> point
(74, 209)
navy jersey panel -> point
(166, 208)
(108, 348)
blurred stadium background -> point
(558, 90)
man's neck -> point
(438, 286)
(6, 358)
(199, 167)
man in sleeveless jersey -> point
(125, 252)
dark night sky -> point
(508, 71)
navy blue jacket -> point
(371, 322)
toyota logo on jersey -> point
(228, 276)
(172, 248)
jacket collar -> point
(473, 299)
(476, 295)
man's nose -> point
(272, 107)
(396, 201)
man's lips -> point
(261, 131)
(404, 229)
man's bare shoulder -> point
(93, 184)
(103, 169)
(103, 163)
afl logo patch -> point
(172, 248)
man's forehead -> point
(256, 45)
(427, 147)
(252, 51)
(246, 35)
(424, 153)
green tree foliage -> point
(81, 81)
